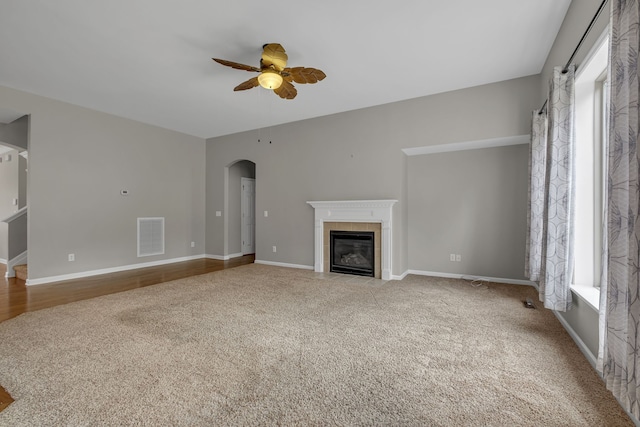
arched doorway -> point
(240, 220)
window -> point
(591, 131)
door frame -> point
(244, 211)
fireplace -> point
(354, 215)
(352, 253)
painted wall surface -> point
(356, 156)
(16, 133)
(575, 23)
(581, 318)
(79, 160)
(469, 203)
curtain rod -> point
(584, 36)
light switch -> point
(218, 213)
(266, 214)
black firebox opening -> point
(351, 252)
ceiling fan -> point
(274, 73)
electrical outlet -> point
(458, 258)
(274, 249)
(266, 214)
(193, 244)
(72, 257)
(452, 257)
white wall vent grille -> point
(150, 236)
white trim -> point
(83, 274)
(15, 215)
(354, 211)
(353, 204)
(468, 145)
(217, 257)
(284, 264)
(592, 52)
(581, 345)
(400, 277)
(589, 294)
(223, 257)
(20, 259)
(473, 277)
(3, 261)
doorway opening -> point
(248, 215)
(241, 212)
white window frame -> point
(591, 105)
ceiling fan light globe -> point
(270, 80)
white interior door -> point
(248, 209)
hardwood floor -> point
(17, 298)
(5, 399)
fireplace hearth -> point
(352, 253)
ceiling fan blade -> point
(273, 54)
(304, 74)
(286, 90)
(251, 83)
(236, 65)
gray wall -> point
(357, 155)
(470, 203)
(79, 160)
(583, 319)
(16, 133)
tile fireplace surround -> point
(351, 212)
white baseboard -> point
(472, 277)
(3, 261)
(400, 277)
(222, 257)
(576, 338)
(283, 264)
(90, 273)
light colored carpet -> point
(262, 345)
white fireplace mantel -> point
(354, 211)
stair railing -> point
(16, 240)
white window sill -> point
(589, 294)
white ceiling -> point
(150, 60)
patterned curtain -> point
(535, 212)
(556, 271)
(620, 358)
